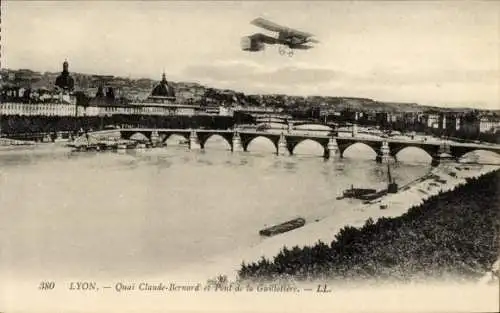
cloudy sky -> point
(436, 53)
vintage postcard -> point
(249, 156)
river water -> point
(138, 213)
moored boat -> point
(356, 192)
(283, 227)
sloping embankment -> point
(451, 234)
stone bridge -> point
(285, 143)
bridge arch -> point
(128, 134)
(165, 136)
(396, 147)
(211, 137)
(361, 145)
(297, 146)
(251, 140)
(139, 137)
(419, 154)
(480, 156)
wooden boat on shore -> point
(283, 227)
(357, 192)
(367, 194)
(108, 144)
(372, 196)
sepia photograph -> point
(249, 156)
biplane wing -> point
(266, 39)
(301, 47)
(268, 25)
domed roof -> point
(163, 89)
(64, 80)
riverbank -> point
(6, 142)
(444, 178)
(453, 236)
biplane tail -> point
(313, 40)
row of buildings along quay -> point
(32, 102)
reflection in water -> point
(145, 212)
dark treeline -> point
(452, 234)
(15, 124)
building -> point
(64, 81)
(161, 102)
(489, 124)
(452, 123)
(432, 120)
(469, 124)
(109, 109)
(163, 91)
(56, 108)
(25, 101)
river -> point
(143, 213)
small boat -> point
(356, 192)
(126, 144)
(106, 145)
(372, 195)
(283, 227)
(84, 148)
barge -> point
(367, 194)
(357, 192)
(283, 227)
(103, 145)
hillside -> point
(138, 89)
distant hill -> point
(137, 89)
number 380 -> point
(47, 285)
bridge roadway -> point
(286, 142)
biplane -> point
(287, 38)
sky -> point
(443, 53)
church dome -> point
(163, 89)
(65, 81)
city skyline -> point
(442, 54)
